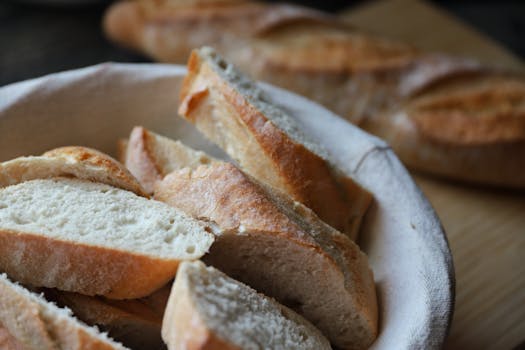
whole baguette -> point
(209, 310)
(281, 248)
(93, 239)
(231, 111)
(75, 161)
(449, 116)
(37, 324)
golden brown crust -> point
(237, 194)
(116, 174)
(72, 266)
(266, 152)
(140, 160)
(321, 47)
(472, 110)
(150, 156)
(258, 224)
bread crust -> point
(74, 161)
(91, 270)
(117, 175)
(265, 151)
(140, 161)
(39, 325)
(132, 322)
(150, 156)
(254, 220)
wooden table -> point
(485, 227)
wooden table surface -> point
(485, 227)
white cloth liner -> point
(401, 234)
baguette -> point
(32, 323)
(448, 116)
(209, 310)
(231, 111)
(79, 162)
(93, 239)
(134, 323)
(281, 248)
(155, 26)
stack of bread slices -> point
(174, 248)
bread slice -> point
(280, 248)
(209, 310)
(93, 239)
(149, 156)
(37, 324)
(232, 112)
(75, 161)
(8, 341)
(134, 323)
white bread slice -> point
(37, 324)
(234, 113)
(209, 310)
(8, 341)
(93, 239)
(280, 248)
(149, 156)
(134, 323)
(75, 161)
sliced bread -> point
(75, 161)
(234, 113)
(209, 310)
(280, 248)
(93, 239)
(8, 341)
(149, 156)
(133, 322)
(32, 323)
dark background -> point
(36, 39)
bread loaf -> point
(209, 310)
(448, 116)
